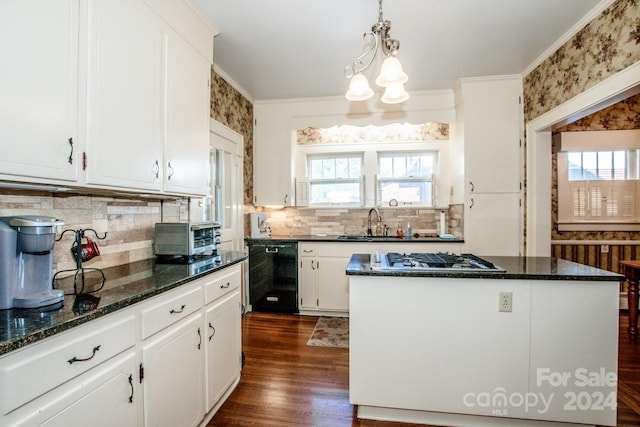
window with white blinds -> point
(604, 200)
(598, 187)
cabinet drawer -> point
(37, 369)
(226, 282)
(343, 250)
(169, 309)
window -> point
(602, 165)
(406, 177)
(598, 187)
(335, 179)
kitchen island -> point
(534, 341)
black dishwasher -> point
(273, 276)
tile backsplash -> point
(128, 222)
(297, 222)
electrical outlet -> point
(505, 301)
(604, 249)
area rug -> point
(331, 332)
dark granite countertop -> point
(352, 239)
(528, 268)
(125, 285)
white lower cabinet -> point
(322, 281)
(223, 346)
(150, 364)
(86, 372)
(173, 375)
(109, 398)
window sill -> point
(599, 226)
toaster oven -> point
(187, 238)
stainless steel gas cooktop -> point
(394, 261)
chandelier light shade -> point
(392, 77)
(359, 89)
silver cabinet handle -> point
(285, 198)
(225, 286)
(271, 250)
(156, 169)
(473, 187)
(170, 170)
(472, 203)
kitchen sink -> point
(367, 238)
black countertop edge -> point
(158, 278)
(517, 268)
(334, 239)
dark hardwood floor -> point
(287, 383)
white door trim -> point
(538, 192)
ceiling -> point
(276, 49)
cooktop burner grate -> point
(438, 260)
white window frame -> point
(442, 178)
(351, 180)
(430, 179)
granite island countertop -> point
(125, 285)
(517, 268)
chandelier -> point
(391, 77)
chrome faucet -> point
(379, 219)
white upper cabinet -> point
(110, 94)
(272, 179)
(38, 89)
(187, 144)
(125, 95)
(491, 111)
(492, 134)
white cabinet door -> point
(125, 95)
(38, 89)
(111, 402)
(492, 224)
(272, 151)
(187, 145)
(333, 283)
(107, 395)
(492, 123)
(307, 283)
(224, 346)
(174, 375)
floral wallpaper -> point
(394, 132)
(233, 110)
(624, 115)
(605, 46)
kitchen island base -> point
(457, 420)
(445, 344)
